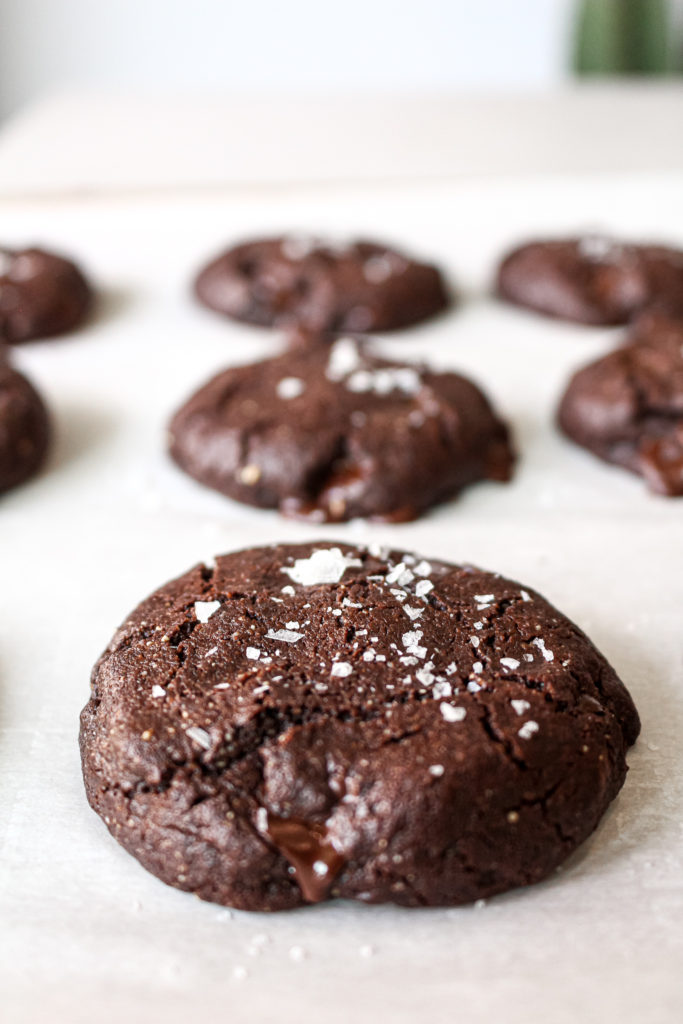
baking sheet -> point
(85, 932)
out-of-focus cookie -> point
(335, 432)
(297, 281)
(41, 295)
(24, 427)
(627, 407)
(592, 280)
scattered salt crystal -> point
(474, 640)
(528, 730)
(423, 588)
(525, 595)
(520, 706)
(478, 667)
(341, 668)
(452, 714)
(205, 609)
(158, 691)
(473, 687)
(385, 380)
(377, 269)
(200, 736)
(424, 676)
(441, 689)
(297, 247)
(287, 636)
(436, 770)
(411, 638)
(327, 565)
(253, 653)
(510, 663)
(344, 359)
(413, 613)
(290, 387)
(540, 643)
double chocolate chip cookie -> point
(627, 408)
(303, 282)
(592, 280)
(41, 295)
(24, 427)
(336, 432)
(309, 721)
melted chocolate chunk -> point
(315, 862)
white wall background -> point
(278, 45)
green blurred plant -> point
(622, 37)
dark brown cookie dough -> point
(592, 280)
(333, 432)
(41, 295)
(308, 721)
(24, 427)
(627, 407)
(303, 282)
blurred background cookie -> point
(24, 427)
(41, 295)
(592, 280)
(627, 408)
(306, 282)
(337, 432)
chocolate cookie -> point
(41, 295)
(592, 280)
(309, 721)
(627, 407)
(336, 432)
(297, 281)
(24, 427)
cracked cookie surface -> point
(592, 280)
(298, 281)
(627, 408)
(332, 433)
(41, 295)
(303, 722)
(24, 428)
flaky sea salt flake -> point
(326, 565)
(205, 609)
